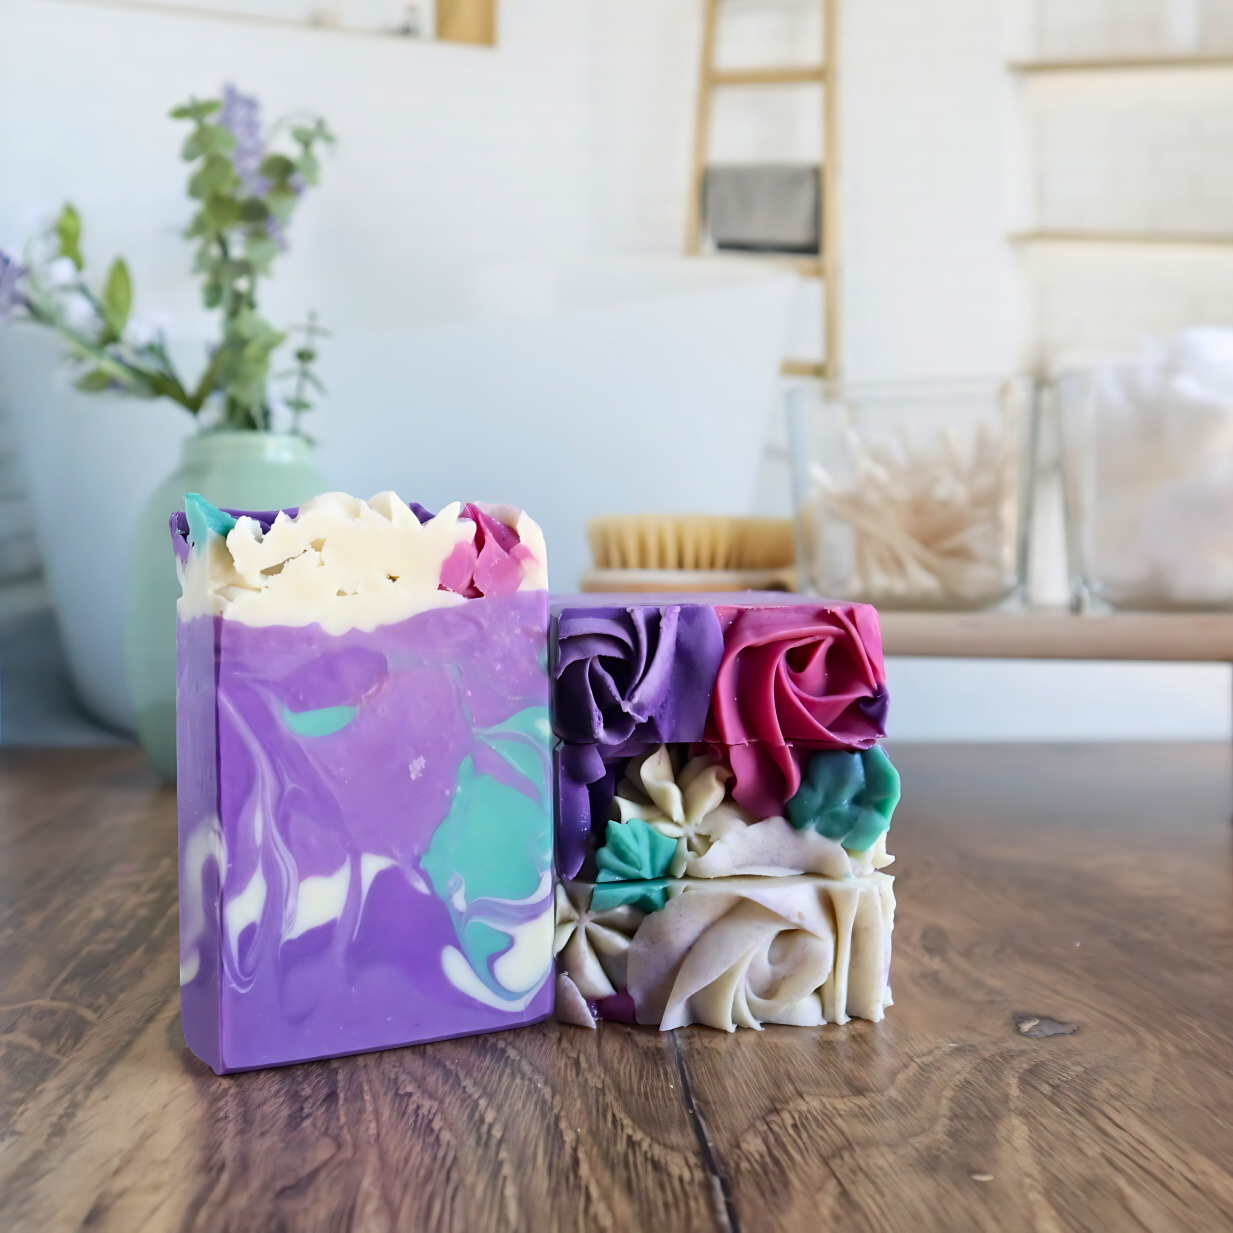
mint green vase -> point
(235, 470)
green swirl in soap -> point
(490, 855)
(324, 721)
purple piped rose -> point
(635, 674)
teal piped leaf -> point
(634, 851)
(848, 797)
(645, 896)
(204, 518)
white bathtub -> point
(595, 386)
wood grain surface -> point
(1087, 885)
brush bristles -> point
(690, 541)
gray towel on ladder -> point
(764, 208)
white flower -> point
(715, 837)
(148, 328)
(60, 273)
(593, 947)
(77, 312)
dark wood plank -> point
(1007, 857)
(107, 1120)
(1088, 885)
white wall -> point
(576, 133)
(447, 149)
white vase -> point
(90, 463)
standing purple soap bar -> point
(365, 800)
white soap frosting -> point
(715, 837)
(342, 563)
(737, 951)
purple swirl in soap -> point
(634, 674)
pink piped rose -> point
(794, 678)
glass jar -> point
(1148, 459)
(914, 495)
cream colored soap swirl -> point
(341, 563)
(733, 952)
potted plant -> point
(249, 450)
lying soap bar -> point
(736, 952)
(364, 777)
(785, 695)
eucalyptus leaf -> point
(254, 210)
(68, 230)
(277, 167)
(117, 298)
(309, 166)
(195, 109)
(217, 175)
(281, 203)
(207, 139)
(94, 381)
(261, 250)
(222, 211)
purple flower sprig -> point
(246, 191)
(12, 274)
(48, 288)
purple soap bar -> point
(364, 778)
(761, 681)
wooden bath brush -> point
(690, 552)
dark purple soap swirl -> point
(634, 674)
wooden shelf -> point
(472, 22)
(805, 266)
(1121, 64)
(1192, 637)
(777, 76)
(802, 368)
(1138, 238)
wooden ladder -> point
(828, 264)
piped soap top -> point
(344, 563)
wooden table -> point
(1088, 885)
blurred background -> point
(946, 281)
